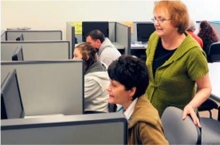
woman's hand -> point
(189, 110)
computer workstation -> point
(143, 31)
(49, 87)
(105, 128)
(37, 50)
(117, 33)
(11, 101)
(18, 54)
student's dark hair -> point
(96, 34)
(207, 32)
(87, 51)
(130, 72)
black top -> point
(161, 55)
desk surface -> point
(138, 45)
(118, 46)
(214, 73)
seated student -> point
(96, 79)
(191, 29)
(128, 82)
(106, 50)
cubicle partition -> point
(70, 36)
(37, 50)
(3, 35)
(105, 128)
(216, 26)
(34, 34)
(123, 37)
(49, 87)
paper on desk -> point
(130, 24)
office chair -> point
(208, 105)
(177, 130)
(214, 52)
(210, 131)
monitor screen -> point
(89, 26)
(144, 30)
(20, 37)
(18, 54)
(11, 102)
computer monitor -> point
(11, 102)
(89, 26)
(144, 30)
(20, 37)
(18, 54)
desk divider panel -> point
(105, 128)
(3, 35)
(123, 36)
(35, 34)
(37, 50)
(70, 36)
(49, 87)
(216, 26)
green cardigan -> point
(174, 81)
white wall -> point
(203, 9)
(53, 14)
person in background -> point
(176, 63)
(191, 29)
(106, 50)
(128, 82)
(208, 35)
(96, 79)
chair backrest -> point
(177, 130)
(214, 52)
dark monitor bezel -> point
(4, 87)
(142, 34)
(91, 25)
(20, 37)
(18, 54)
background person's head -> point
(207, 33)
(87, 53)
(192, 26)
(95, 38)
(129, 79)
(173, 12)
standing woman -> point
(96, 79)
(176, 63)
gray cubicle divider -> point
(216, 26)
(34, 34)
(123, 36)
(105, 128)
(37, 50)
(70, 36)
(111, 33)
(49, 87)
(3, 35)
